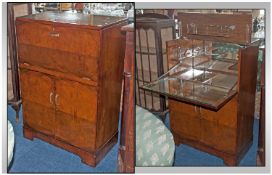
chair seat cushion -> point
(154, 142)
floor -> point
(188, 156)
(39, 156)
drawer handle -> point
(54, 34)
(50, 97)
(56, 99)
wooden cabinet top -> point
(128, 28)
(79, 19)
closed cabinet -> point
(71, 80)
(216, 129)
(58, 108)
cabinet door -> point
(76, 113)
(220, 128)
(38, 107)
(185, 120)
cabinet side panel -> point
(111, 66)
(246, 96)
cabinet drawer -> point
(61, 61)
(68, 39)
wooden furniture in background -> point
(211, 91)
(126, 158)
(14, 95)
(261, 140)
(71, 69)
(152, 31)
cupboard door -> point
(220, 128)
(184, 120)
(38, 107)
(76, 114)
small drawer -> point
(64, 38)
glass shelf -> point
(200, 80)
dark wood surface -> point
(68, 73)
(246, 95)
(126, 154)
(110, 84)
(234, 28)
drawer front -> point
(65, 62)
(68, 39)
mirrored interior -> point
(202, 73)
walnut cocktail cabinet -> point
(71, 69)
(211, 84)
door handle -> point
(56, 99)
(26, 64)
(54, 34)
(50, 97)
